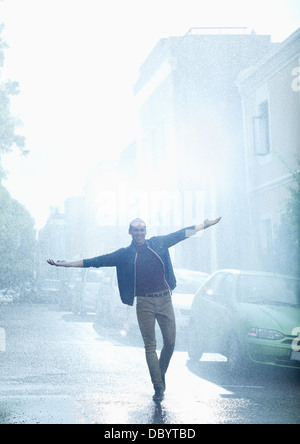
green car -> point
(247, 316)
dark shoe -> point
(159, 394)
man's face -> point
(138, 232)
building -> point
(190, 140)
(270, 94)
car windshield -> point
(269, 290)
(189, 284)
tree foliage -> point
(8, 123)
(17, 234)
(17, 242)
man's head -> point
(138, 231)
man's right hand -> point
(56, 263)
(77, 264)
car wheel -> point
(195, 351)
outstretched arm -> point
(174, 238)
(77, 264)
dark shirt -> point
(150, 272)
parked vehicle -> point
(96, 291)
(247, 317)
(86, 289)
(188, 284)
(7, 296)
(48, 291)
(28, 292)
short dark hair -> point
(135, 221)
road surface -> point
(59, 368)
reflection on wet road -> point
(62, 369)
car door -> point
(222, 321)
(213, 312)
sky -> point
(77, 61)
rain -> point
(177, 113)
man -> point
(145, 272)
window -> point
(220, 288)
(261, 129)
(269, 290)
(212, 287)
(228, 287)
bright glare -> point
(77, 61)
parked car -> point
(111, 311)
(96, 291)
(48, 291)
(7, 296)
(28, 292)
(247, 317)
(188, 284)
(86, 289)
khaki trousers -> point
(150, 310)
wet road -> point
(61, 369)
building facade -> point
(190, 140)
(270, 94)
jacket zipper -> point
(162, 265)
(134, 293)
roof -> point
(256, 273)
(282, 55)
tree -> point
(287, 240)
(17, 234)
(17, 242)
(8, 123)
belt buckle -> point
(154, 295)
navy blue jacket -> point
(125, 261)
